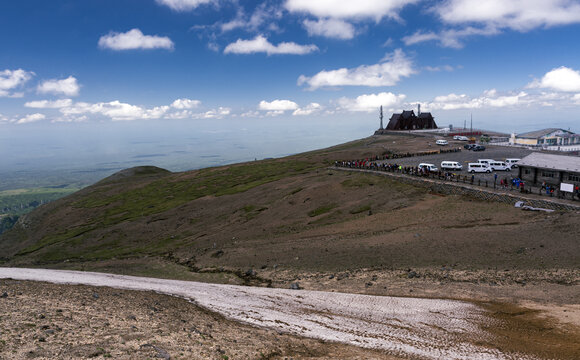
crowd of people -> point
(513, 183)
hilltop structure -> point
(407, 120)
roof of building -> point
(551, 161)
(539, 133)
(425, 115)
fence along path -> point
(450, 188)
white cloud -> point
(387, 73)
(560, 79)
(68, 87)
(520, 15)
(262, 16)
(31, 118)
(277, 105)
(134, 39)
(185, 104)
(371, 102)
(214, 113)
(48, 104)
(261, 45)
(360, 9)
(185, 5)
(489, 99)
(450, 38)
(12, 79)
(330, 28)
(120, 111)
(308, 110)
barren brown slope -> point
(292, 213)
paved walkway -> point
(514, 195)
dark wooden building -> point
(407, 120)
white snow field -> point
(420, 328)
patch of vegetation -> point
(251, 211)
(171, 191)
(360, 209)
(322, 210)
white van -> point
(430, 167)
(512, 162)
(478, 167)
(441, 142)
(499, 166)
(451, 165)
(485, 161)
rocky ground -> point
(47, 321)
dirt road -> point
(426, 328)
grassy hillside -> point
(290, 213)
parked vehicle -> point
(512, 162)
(478, 148)
(478, 167)
(441, 142)
(463, 138)
(485, 161)
(456, 137)
(499, 166)
(451, 165)
(468, 146)
(430, 167)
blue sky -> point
(315, 65)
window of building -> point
(548, 174)
(527, 171)
(575, 178)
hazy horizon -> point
(183, 84)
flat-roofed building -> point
(546, 137)
(552, 169)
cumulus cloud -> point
(48, 104)
(559, 79)
(520, 15)
(387, 73)
(185, 104)
(308, 109)
(214, 113)
(68, 87)
(360, 9)
(120, 111)
(330, 28)
(11, 80)
(371, 102)
(277, 105)
(261, 45)
(134, 39)
(31, 118)
(489, 99)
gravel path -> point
(425, 328)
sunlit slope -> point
(292, 213)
